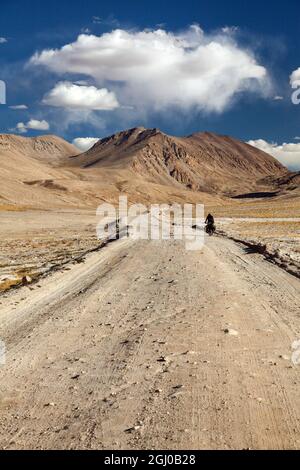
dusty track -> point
(128, 350)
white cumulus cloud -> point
(21, 127)
(85, 143)
(156, 69)
(295, 76)
(72, 95)
(287, 154)
(3, 40)
(33, 124)
(19, 107)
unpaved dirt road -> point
(147, 345)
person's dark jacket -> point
(210, 219)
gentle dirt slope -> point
(124, 353)
(49, 149)
(28, 175)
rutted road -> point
(147, 345)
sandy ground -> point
(32, 243)
(147, 345)
(280, 236)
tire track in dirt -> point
(181, 349)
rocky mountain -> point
(28, 168)
(146, 164)
(48, 149)
(202, 162)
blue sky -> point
(228, 88)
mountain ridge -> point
(203, 161)
(52, 149)
(146, 164)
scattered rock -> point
(26, 280)
(231, 332)
(75, 376)
(162, 359)
(284, 357)
(178, 387)
(189, 352)
(131, 430)
(174, 395)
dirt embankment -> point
(277, 239)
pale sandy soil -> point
(280, 236)
(147, 345)
(143, 344)
(34, 242)
(273, 222)
(274, 208)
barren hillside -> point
(201, 162)
(146, 164)
(27, 171)
(49, 149)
